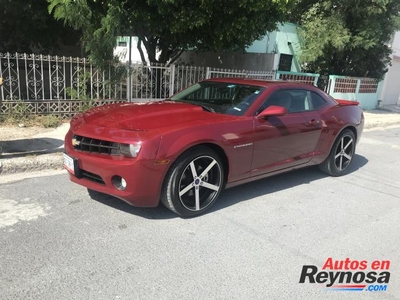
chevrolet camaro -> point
(219, 133)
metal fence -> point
(307, 78)
(31, 77)
(364, 90)
(61, 85)
(43, 77)
(342, 84)
(64, 109)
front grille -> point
(86, 144)
(92, 177)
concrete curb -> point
(52, 161)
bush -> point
(48, 121)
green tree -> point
(168, 27)
(26, 26)
(344, 37)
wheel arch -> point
(327, 146)
(165, 190)
(352, 128)
(221, 153)
(328, 165)
(216, 148)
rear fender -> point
(336, 120)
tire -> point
(194, 182)
(341, 155)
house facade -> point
(284, 44)
(277, 50)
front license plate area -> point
(71, 164)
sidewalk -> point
(43, 151)
(40, 151)
(382, 117)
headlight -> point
(127, 150)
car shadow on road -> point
(34, 146)
(160, 212)
(234, 195)
(278, 183)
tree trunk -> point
(139, 47)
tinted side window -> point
(293, 100)
(316, 100)
(299, 101)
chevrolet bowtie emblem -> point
(75, 142)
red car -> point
(216, 134)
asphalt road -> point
(58, 243)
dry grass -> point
(46, 121)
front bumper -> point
(144, 178)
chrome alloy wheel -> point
(200, 183)
(344, 152)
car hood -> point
(146, 116)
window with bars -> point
(285, 62)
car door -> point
(313, 121)
(285, 141)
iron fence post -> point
(316, 79)
(208, 73)
(171, 80)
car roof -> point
(259, 82)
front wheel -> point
(194, 182)
(341, 155)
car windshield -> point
(220, 97)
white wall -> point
(122, 50)
(390, 94)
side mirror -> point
(272, 111)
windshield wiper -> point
(205, 107)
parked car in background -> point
(216, 134)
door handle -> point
(313, 122)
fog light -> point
(123, 183)
(119, 182)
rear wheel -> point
(341, 155)
(194, 182)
